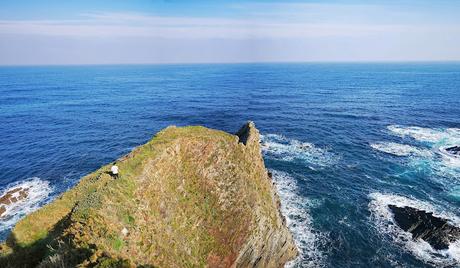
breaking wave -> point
(448, 136)
(38, 193)
(431, 157)
(382, 216)
(449, 160)
(400, 149)
(281, 148)
(295, 208)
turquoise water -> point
(343, 140)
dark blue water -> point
(338, 138)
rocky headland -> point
(190, 197)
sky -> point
(35, 32)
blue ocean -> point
(343, 141)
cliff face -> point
(191, 196)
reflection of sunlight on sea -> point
(382, 217)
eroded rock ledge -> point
(438, 232)
(190, 197)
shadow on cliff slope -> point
(16, 256)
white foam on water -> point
(296, 210)
(446, 168)
(282, 148)
(38, 192)
(437, 164)
(449, 160)
(454, 193)
(448, 136)
(382, 216)
(400, 149)
(432, 158)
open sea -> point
(342, 140)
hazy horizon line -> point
(239, 62)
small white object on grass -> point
(114, 170)
(124, 231)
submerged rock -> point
(438, 232)
(190, 197)
(454, 150)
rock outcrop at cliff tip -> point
(423, 225)
(190, 197)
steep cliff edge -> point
(190, 197)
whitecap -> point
(447, 136)
(400, 149)
(382, 217)
(38, 192)
(433, 157)
(296, 210)
(281, 148)
(448, 159)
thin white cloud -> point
(257, 20)
(332, 13)
(131, 25)
(257, 32)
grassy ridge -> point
(190, 197)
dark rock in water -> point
(455, 150)
(12, 196)
(423, 225)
